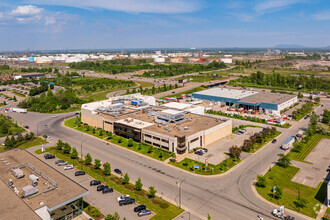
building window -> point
(193, 140)
(156, 145)
(156, 138)
(148, 142)
(147, 135)
(107, 122)
(164, 140)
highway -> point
(227, 196)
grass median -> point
(211, 169)
(163, 209)
(142, 148)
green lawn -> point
(307, 147)
(327, 214)
(164, 210)
(19, 94)
(202, 78)
(156, 153)
(37, 141)
(188, 164)
(282, 178)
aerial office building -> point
(173, 130)
(34, 190)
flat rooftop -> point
(265, 97)
(193, 123)
(226, 93)
(66, 190)
(12, 207)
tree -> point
(74, 154)
(59, 144)
(67, 148)
(261, 181)
(126, 179)
(88, 159)
(317, 99)
(300, 203)
(138, 184)
(326, 116)
(208, 217)
(284, 160)
(20, 137)
(109, 135)
(97, 164)
(120, 140)
(8, 143)
(235, 151)
(300, 96)
(93, 130)
(101, 132)
(115, 216)
(107, 169)
(310, 97)
(130, 142)
(314, 118)
(152, 192)
(14, 98)
(51, 86)
(13, 140)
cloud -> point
(26, 10)
(322, 16)
(274, 4)
(50, 20)
(131, 6)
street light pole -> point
(179, 185)
(81, 154)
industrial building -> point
(31, 189)
(171, 129)
(29, 75)
(262, 101)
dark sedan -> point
(79, 173)
(117, 171)
(94, 183)
(107, 190)
(139, 208)
(100, 187)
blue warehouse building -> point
(248, 99)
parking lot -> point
(106, 203)
(216, 151)
(312, 174)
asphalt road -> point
(228, 196)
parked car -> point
(63, 163)
(328, 170)
(100, 187)
(94, 183)
(59, 161)
(49, 156)
(139, 208)
(306, 117)
(274, 141)
(204, 150)
(17, 133)
(172, 159)
(122, 197)
(117, 171)
(199, 152)
(79, 173)
(144, 212)
(27, 127)
(126, 201)
(238, 132)
(68, 167)
(107, 190)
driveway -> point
(216, 151)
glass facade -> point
(68, 211)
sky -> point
(106, 24)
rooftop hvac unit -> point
(29, 190)
(10, 182)
(18, 173)
(185, 128)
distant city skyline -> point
(100, 24)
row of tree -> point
(249, 144)
(14, 142)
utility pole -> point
(81, 154)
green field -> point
(281, 177)
(35, 142)
(197, 89)
(202, 78)
(307, 147)
(163, 209)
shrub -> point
(74, 154)
(67, 148)
(235, 151)
(152, 192)
(130, 142)
(164, 205)
(261, 181)
(138, 184)
(97, 164)
(59, 144)
(88, 159)
(107, 169)
(126, 179)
